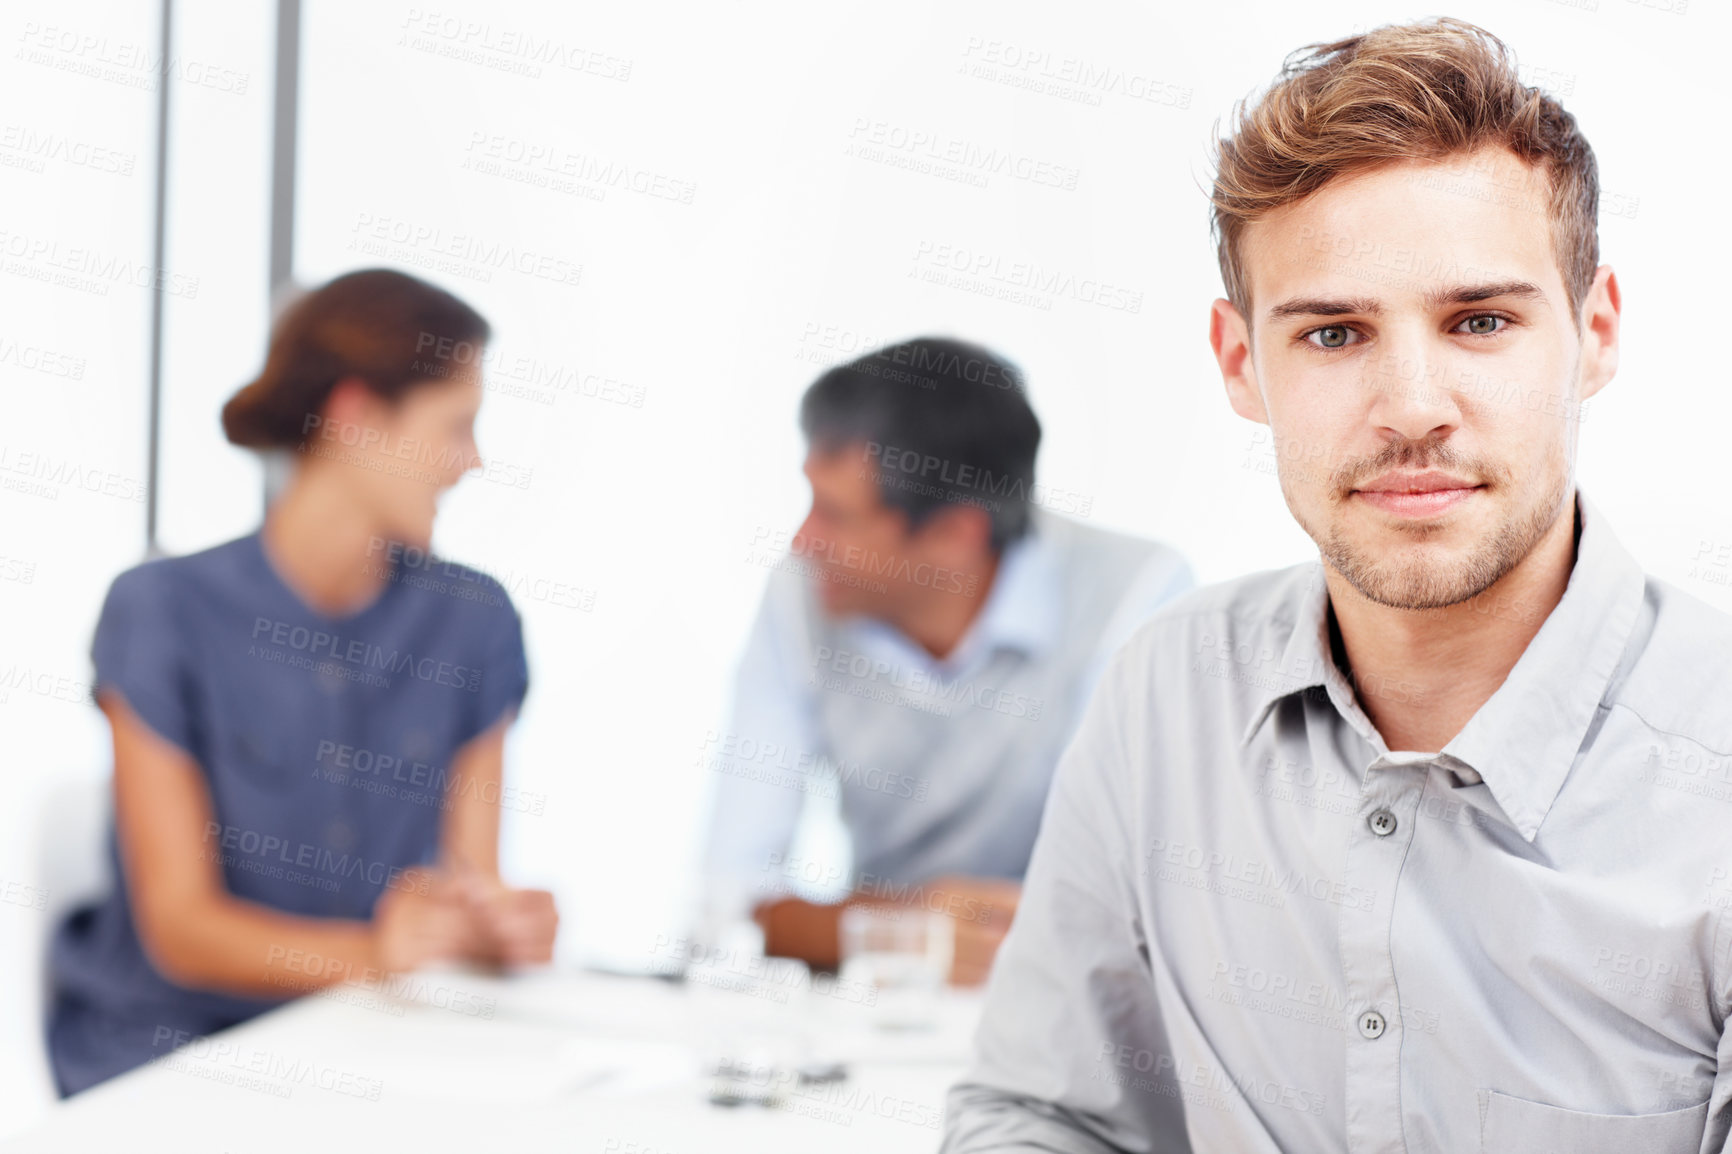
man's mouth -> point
(1419, 494)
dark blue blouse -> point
(326, 744)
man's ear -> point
(1600, 312)
(963, 529)
(1230, 337)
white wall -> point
(78, 84)
(797, 243)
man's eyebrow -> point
(1470, 294)
(1325, 307)
(1366, 306)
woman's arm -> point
(199, 935)
(516, 927)
(469, 837)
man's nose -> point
(1410, 392)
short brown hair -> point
(376, 324)
(1422, 91)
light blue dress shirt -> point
(939, 766)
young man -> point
(923, 652)
(1398, 850)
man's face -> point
(1413, 351)
(865, 558)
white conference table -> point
(567, 1061)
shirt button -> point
(1371, 1025)
(1382, 822)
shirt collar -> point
(1305, 656)
(1524, 739)
(1023, 606)
(1023, 609)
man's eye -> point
(1331, 336)
(1485, 324)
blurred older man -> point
(923, 653)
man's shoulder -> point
(791, 583)
(1251, 606)
(1098, 568)
(1078, 544)
(790, 615)
(1680, 680)
(1243, 624)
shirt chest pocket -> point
(1518, 1126)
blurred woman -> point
(308, 721)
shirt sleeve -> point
(503, 679)
(772, 725)
(1071, 1025)
(140, 653)
(1718, 1137)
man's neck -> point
(938, 620)
(1420, 675)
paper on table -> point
(515, 1069)
(605, 1005)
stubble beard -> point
(1397, 578)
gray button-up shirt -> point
(1249, 926)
